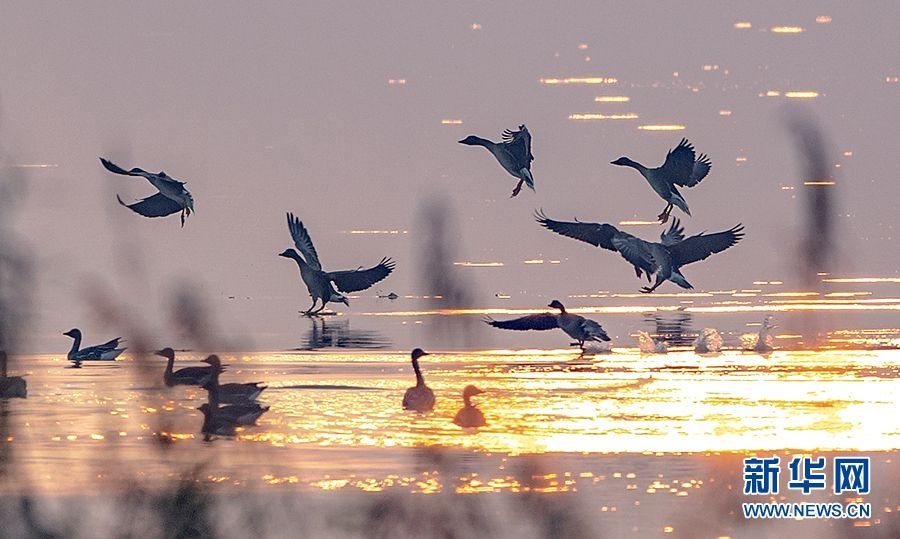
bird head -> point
(418, 352)
(471, 391)
(622, 162)
(555, 304)
(74, 333)
(471, 140)
(289, 253)
(214, 361)
(166, 352)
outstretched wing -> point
(538, 322)
(636, 251)
(158, 205)
(699, 247)
(360, 279)
(674, 234)
(679, 163)
(303, 242)
(598, 235)
(519, 145)
(116, 169)
(700, 170)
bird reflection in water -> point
(671, 329)
(325, 333)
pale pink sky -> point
(268, 107)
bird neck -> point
(170, 364)
(562, 310)
(213, 388)
(2, 366)
(467, 400)
(76, 344)
(478, 141)
(635, 165)
(420, 381)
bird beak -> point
(459, 141)
(159, 353)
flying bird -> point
(577, 327)
(664, 259)
(420, 397)
(327, 286)
(469, 416)
(107, 351)
(172, 197)
(681, 168)
(513, 154)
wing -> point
(110, 345)
(303, 242)
(360, 279)
(674, 234)
(699, 247)
(598, 235)
(679, 163)
(158, 205)
(700, 170)
(539, 322)
(636, 251)
(116, 169)
(519, 144)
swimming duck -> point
(321, 284)
(231, 393)
(761, 342)
(107, 351)
(11, 386)
(513, 154)
(682, 167)
(469, 416)
(243, 414)
(419, 397)
(172, 197)
(188, 376)
(578, 327)
(647, 344)
(664, 259)
(215, 425)
(708, 341)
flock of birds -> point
(233, 405)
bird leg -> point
(182, 217)
(664, 216)
(309, 312)
(517, 189)
(637, 271)
(650, 289)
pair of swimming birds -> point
(682, 167)
(420, 398)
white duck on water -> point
(578, 327)
(664, 259)
(681, 168)
(321, 284)
(172, 197)
(513, 154)
(420, 397)
(107, 351)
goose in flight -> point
(577, 327)
(513, 154)
(231, 393)
(681, 168)
(469, 416)
(107, 351)
(11, 386)
(420, 397)
(172, 197)
(188, 376)
(664, 259)
(327, 286)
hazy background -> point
(271, 107)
